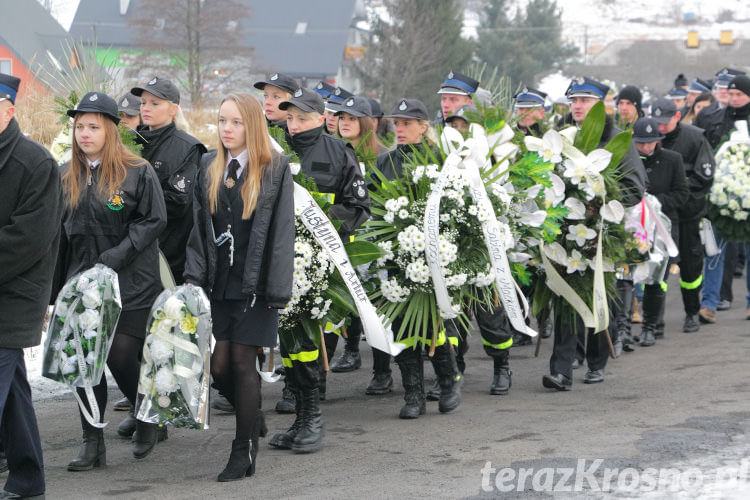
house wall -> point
(19, 70)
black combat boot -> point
(241, 461)
(381, 382)
(653, 302)
(501, 379)
(283, 440)
(450, 379)
(412, 377)
(127, 426)
(350, 359)
(92, 453)
(146, 436)
(287, 402)
(434, 393)
(309, 438)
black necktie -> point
(231, 179)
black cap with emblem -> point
(305, 99)
(161, 88)
(339, 95)
(129, 104)
(741, 83)
(646, 130)
(325, 89)
(355, 106)
(467, 112)
(280, 80)
(377, 111)
(725, 75)
(663, 109)
(409, 108)
(9, 87)
(96, 102)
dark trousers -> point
(691, 265)
(19, 434)
(496, 331)
(575, 340)
(730, 264)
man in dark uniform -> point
(666, 176)
(723, 77)
(31, 208)
(718, 126)
(529, 110)
(698, 159)
(583, 94)
(455, 92)
(333, 165)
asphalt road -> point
(682, 404)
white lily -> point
(555, 194)
(451, 140)
(580, 234)
(549, 147)
(520, 257)
(533, 219)
(576, 209)
(569, 134)
(579, 166)
(556, 252)
(576, 262)
(612, 211)
(501, 145)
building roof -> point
(31, 33)
(306, 40)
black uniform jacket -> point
(634, 180)
(175, 156)
(666, 181)
(698, 161)
(332, 164)
(119, 230)
(719, 122)
(269, 256)
(391, 163)
(30, 210)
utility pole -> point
(585, 45)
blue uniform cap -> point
(459, 84)
(325, 89)
(677, 93)
(529, 98)
(9, 87)
(339, 95)
(586, 87)
(725, 75)
(699, 86)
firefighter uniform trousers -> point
(691, 265)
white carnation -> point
(165, 382)
(161, 351)
(91, 298)
(89, 319)
(173, 308)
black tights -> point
(235, 375)
(123, 362)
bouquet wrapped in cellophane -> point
(729, 200)
(175, 370)
(81, 332)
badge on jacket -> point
(180, 184)
(115, 201)
(359, 189)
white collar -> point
(241, 159)
(94, 164)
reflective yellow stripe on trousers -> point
(693, 284)
(440, 340)
(501, 345)
(304, 356)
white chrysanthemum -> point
(417, 271)
(473, 210)
(388, 217)
(392, 205)
(89, 319)
(456, 280)
(403, 214)
(165, 382)
(445, 217)
(432, 171)
(161, 351)
(418, 173)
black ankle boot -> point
(310, 436)
(145, 438)
(283, 440)
(412, 376)
(501, 380)
(450, 379)
(92, 453)
(241, 461)
(127, 426)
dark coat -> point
(391, 163)
(175, 156)
(718, 123)
(119, 231)
(269, 257)
(666, 181)
(332, 164)
(31, 206)
(698, 160)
